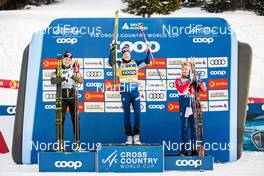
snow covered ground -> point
(17, 27)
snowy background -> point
(17, 27)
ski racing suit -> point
(187, 109)
(68, 84)
(128, 76)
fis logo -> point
(111, 159)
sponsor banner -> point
(218, 106)
(109, 86)
(204, 105)
(255, 100)
(188, 163)
(94, 86)
(217, 84)
(173, 94)
(6, 110)
(93, 74)
(200, 62)
(204, 96)
(3, 146)
(173, 107)
(49, 96)
(171, 85)
(93, 106)
(202, 73)
(156, 96)
(67, 162)
(255, 109)
(141, 74)
(157, 106)
(157, 63)
(47, 73)
(155, 85)
(112, 96)
(153, 73)
(142, 85)
(49, 63)
(218, 94)
(130, 159)
(175, 62)
(217, 62)
(218, 73)
(80, 107)
(46, 85)
(93, 96)
(10, 84)
(93, 63)
(106, 63)
(173, 73)
(118, 107)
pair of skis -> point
(59, 123)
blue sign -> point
(188, 163)
(209, 40)
(6, 110)
(130, 159)
(67, 162)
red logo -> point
(94, 96)
(218, 84)
(157, 63)
(173, 107)
(204, 96)
(141, 74)
(3, 145)
(110, 87)
(49, 63)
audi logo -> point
(69, 164)
(194, 163)
(218, 62)
(94, 84)
(67, 40)
(11, 110)
(161, 106)
(50, 96)
(93, 74)
(203, 40)
(156, 95)
(50, 106)
(173, 95)
(219, 72)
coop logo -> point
(191, 163)
(140, 46)
(202, 73)
(66, 40)
(218, 73)
(94, 84)
(218, 105)
(50, 106)
(129, 72)
(68, 164)
(203, 40)
(217, 62)
(157, 106)
(11, 110)
(174, 95)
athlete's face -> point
(67, 61)
(185, 70)
(126, 56)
